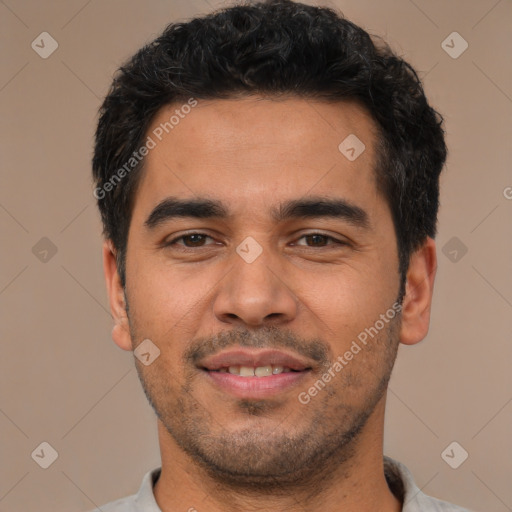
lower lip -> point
(256, 387)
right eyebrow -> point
(172, 207)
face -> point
(286, 258)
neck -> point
(348, 484)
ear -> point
(418, 293)
(121, 331)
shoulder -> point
(424, 502)
(142, 501)
(126, 504)
(401, 482)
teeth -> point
(263, 371)
(260, 371)
(246, 371)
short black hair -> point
(275, 48)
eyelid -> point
(183, 235)
(327, 236)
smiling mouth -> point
(259, 371)
(260, 374)
(255, 382)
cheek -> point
(167, 306)
(346, 297)
(164, 298)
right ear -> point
(120, 331)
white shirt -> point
(399, 478)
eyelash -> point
(185, 248)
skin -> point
(219, 452)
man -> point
(268, 180)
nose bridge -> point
(254, 292)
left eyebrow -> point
(304, 208)
(315, 207)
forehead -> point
(251, 150)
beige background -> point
(62, 379)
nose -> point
(255, 294)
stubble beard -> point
(269, 457)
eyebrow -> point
(304, 208)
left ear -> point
(418, 293)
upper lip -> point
(253, 358)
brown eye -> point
(319, 240)
(195, 240)
(189, 241)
